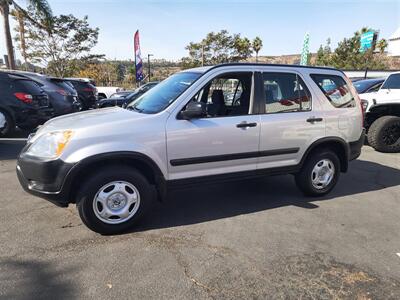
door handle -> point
(245, 125)
(314, 119)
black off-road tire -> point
(88, 190)
(384, 134)
(304, 177)
(9, 126)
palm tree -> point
(382, 45)
(257, 45)
(42, 6)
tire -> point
(304, 179)
(28, 127)
(91, 209)
(9, 125)
(384, 134)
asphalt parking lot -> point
(248, 239)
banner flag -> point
(305, 51)
(138, 59)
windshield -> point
(392, 82)
(163, 94)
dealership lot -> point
(253, 238)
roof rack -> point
(273, 65)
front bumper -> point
(44, 179)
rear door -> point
(291, 119)
(342, 108)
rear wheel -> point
(9, 124)
(319, 173)
(114, 199)
(384, 134)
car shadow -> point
(10, 149)
(28, 279)
(211, 202)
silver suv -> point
(224, 122)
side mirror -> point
(193, 110)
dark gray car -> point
(63, 97)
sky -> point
(166, 27)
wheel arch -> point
(379, 110)
(139, 161)
(340, 147)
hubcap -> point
(322, 174)
(116, 202)
(3, 122)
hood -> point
(105, 117)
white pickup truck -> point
(382, 115)
(106, 91)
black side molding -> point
(233, 156)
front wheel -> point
(319, 173)
(114, 199)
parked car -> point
(382, 115)
(22, 103)
(63, 97)
(368, 85)
(87, 92)
(113, 162)
(104, 92)
(116, 99)
(124, 98)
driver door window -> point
(226, 95)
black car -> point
(23, 103)
(124, 98)
(368, 85)
(87, 92)
(62, 95)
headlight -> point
(50, 145)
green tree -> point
(382, 45)
(58, 46)
(215, 48)
(347, 55)
(257, 45)
(41, 8)
(324, 54)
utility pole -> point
(148, 62)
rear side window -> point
(335, 89)
(27, 86)
(285, 92)
(65, 85)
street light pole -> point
(148, 62)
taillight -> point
(62, 92)
(26, 98)
(88, 90)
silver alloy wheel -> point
(322, 174)
(116, 202)
(3, 121)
